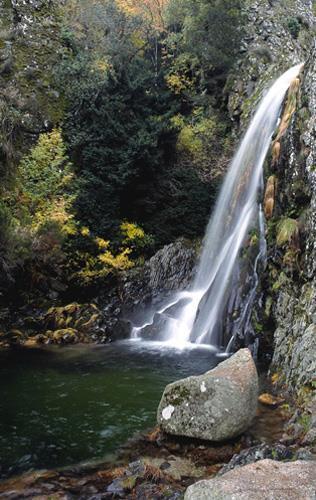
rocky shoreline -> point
(105, 318)
(158, 465)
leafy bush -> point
(144, 139)
(119, 124)
(117, 131)
(37, 217)
(5, 225)
(102, 257)
(294, 26)
(136, 239)
(46, 177)
(10, 123)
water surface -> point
(61, 406)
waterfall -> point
(200, 315)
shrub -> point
(45, 178)
(95, 259)
(294, 26)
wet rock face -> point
(109, 316)
(279, 34)
(169, 270)
(294, 310)
(263, 479)
(216, 406)
(277, 452)
(298, 359)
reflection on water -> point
(62, 406)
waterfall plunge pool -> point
(62, 406)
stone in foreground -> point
(263, 480)
(216, 406)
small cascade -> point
(201, 314)
(162, 312)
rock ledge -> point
(264, 480)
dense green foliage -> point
(115, 137)
(205, 35)
(140, 136)
(294, 26)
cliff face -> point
(30, 47)
(295, 308)
(280, 34)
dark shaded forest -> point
(134, 144)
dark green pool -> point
(63, 406)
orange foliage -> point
(276, 150)
(288, 112)
(269, 197)
(151, 10)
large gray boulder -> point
(264, 480)
(216, 406)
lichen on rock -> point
(263, 479)
(215, 406)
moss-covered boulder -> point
(216, 406)
(71, 323)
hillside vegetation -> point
(114, 133)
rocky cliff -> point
(30, 48)
(278, 35)
(294, 310)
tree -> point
(46, 176)
(102, 32)
(114, 136)
(208, 31)
(128, 153)
(152, 11)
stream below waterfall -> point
(64, 406)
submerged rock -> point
(264, 479)
(216, 406)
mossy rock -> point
(63, 336)
(90, 323)
(287, 232)
(81, 317)
(12, 337)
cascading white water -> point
(200, 318)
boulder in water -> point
(263, 479)
(216, 406)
